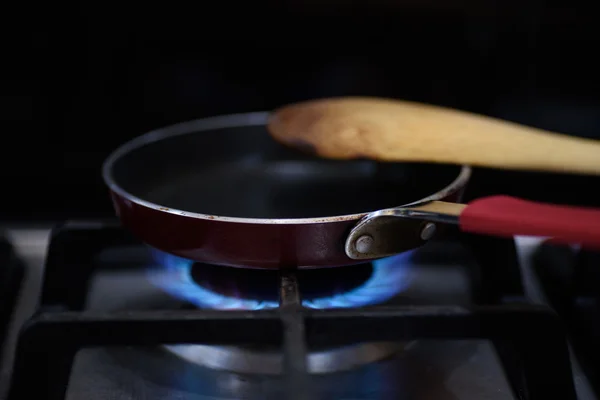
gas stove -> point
(463, 317)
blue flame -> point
(390, 277)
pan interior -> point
(242, 172)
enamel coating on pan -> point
(247, 242)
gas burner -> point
(226, 288)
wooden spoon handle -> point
(510, 146)
(443, 135)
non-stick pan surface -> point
(229, 170)
(240, 172)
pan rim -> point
(231, 121)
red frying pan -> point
(221, 191)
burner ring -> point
(247, 360)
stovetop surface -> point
(441, 273)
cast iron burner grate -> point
(569, 278)
(529, 338)
(11, 275)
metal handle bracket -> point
(387, 232)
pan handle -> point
(502, 216)
(509, 216)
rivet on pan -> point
(428, 231)
(363, 244)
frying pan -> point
(221, 191)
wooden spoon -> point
(395, 130)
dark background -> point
(80, 79)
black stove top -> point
(11, 274)
(451, 320)
(569, 277)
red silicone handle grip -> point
(508, 216)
